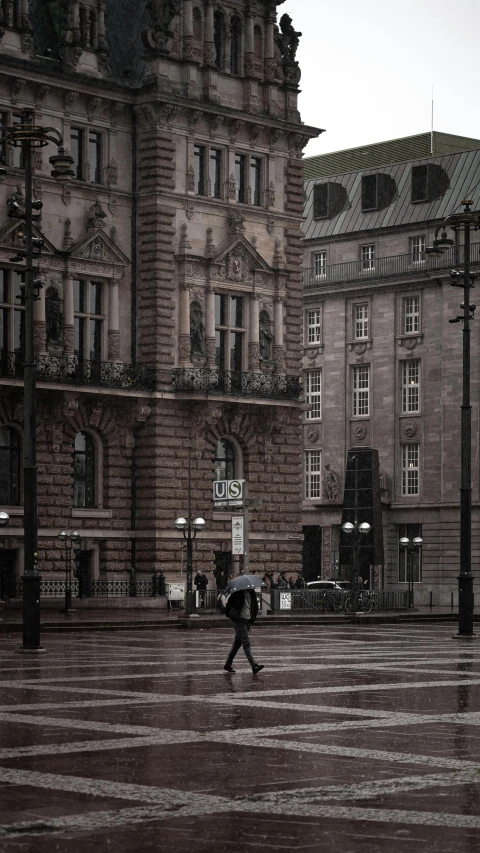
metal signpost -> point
(233, 494)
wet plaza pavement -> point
(352, 739)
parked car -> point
(332, 585)
(343, 584)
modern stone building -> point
(382, 363)
(170, 321)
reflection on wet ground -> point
(351, 739)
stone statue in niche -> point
(96, 215)
(266, 337)
(162, 13)
(197, 331)
(287, 40)
(53, 315)
(330, 484)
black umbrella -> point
(243, 582)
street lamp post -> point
(411, 546)
(189, 529)
(465, 221)
(356, 531)
(28, 136)
(69, 539)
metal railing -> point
(90, 589)
(395, 265)
(212, 380)
(69, 369)
(325, 600)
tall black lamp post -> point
(69, 539)
(356, 531)
(189, 529)
(28, 136)
(411, 547)
(465, 221)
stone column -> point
(76, 22)
(187, 29)
(113, 323)
(278, 353)
(184, 327)
(209, 47)
(40, 324)
(210, 348)
(68, 321)
(249, 61)
(102, 40)
(24, 14)
(270, 64)
(254, 336)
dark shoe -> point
(257, 668)
(228, 668)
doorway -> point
(83, 573)
(8, 560)
(223, 568)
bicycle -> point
(365, 603)
(332, 600)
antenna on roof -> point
(431, 130)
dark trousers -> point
(241, 639)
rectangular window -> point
(12, 312)
(4, 122)
(229, 331)
(411, 386)
(411, 315)
(319, 265)
(89, 320)
(314, 326)
(255, 180)
(199, 169)
(76, 150)
(369, 192)
(368, 258)
(240, 184)
(411, 532)
(95, 156)
(313, 393)
(361, 377)
(17, 156)
(360, 329)
(313, 474)
(215, 187)
(417, 250)
(410, 469)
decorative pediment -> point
(10, 239)
(239, 261)
(98, 247)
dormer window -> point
(429, 181)
(328, 200)
(378, 191)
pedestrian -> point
(242, 610)
(300, 582)
(282, 582)
(267, 581)
(201, 582)
(291, 582)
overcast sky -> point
(368, 67)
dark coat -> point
(235, 603)
(201, 582)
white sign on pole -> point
(238, 539)
(285, 601)
(228, 492)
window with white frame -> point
(313, 393)
(361, 390)
(368, 257)
(314, 326)
(411, 386)
(411, 532)
(417, 249)
(313, 474)
(360, 321)
(411, 315)
(230, 331)
(319, 265)
(410, 469)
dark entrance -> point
(8, 559)
(83, 572)
(312, 552)
(223, 568)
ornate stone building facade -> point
(382, 359)
(169, 323)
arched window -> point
(224, 460)
(235, 38)
(9, 467)
(258, 42)
(84, 471)
(218, 38)
(197, 25)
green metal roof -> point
(385, 153)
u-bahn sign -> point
(228, 493)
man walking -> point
(242, 609)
